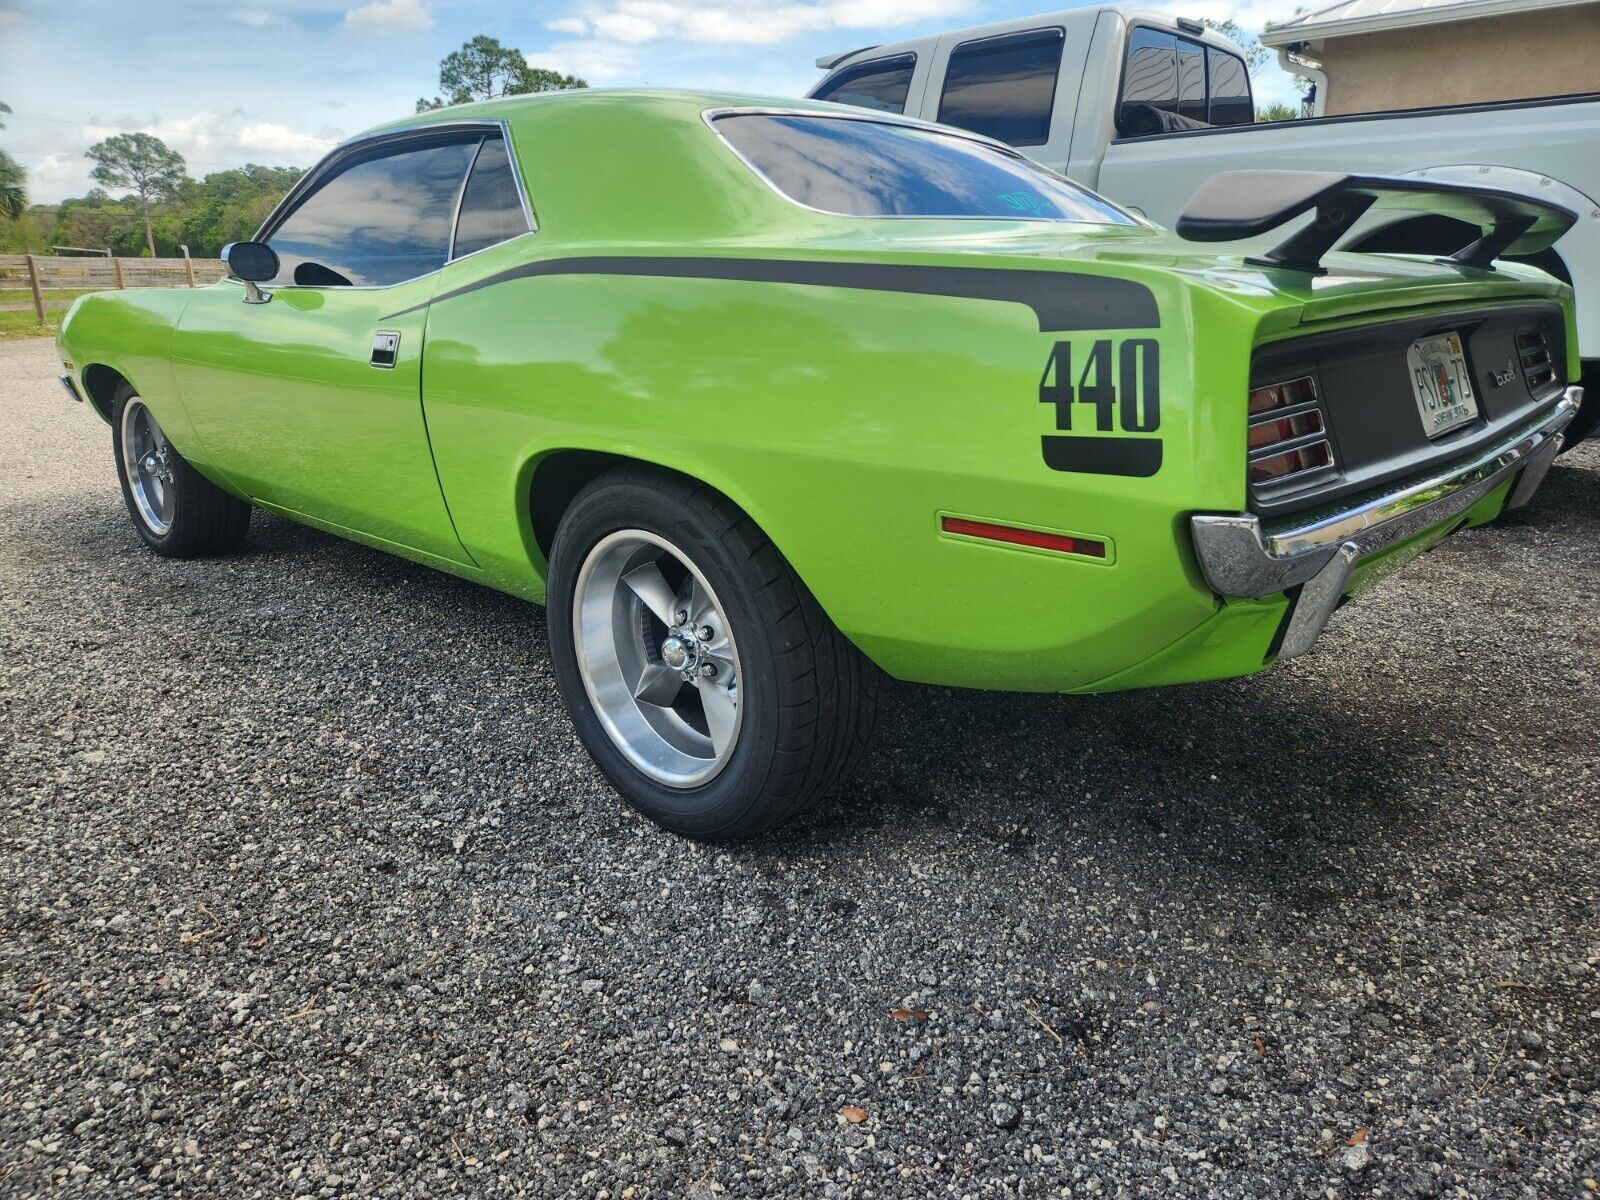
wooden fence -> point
(27, 277)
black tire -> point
(203, 520)
(808, 697)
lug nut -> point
(707, 633)
(709, 670)
(680, 617)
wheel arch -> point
(100, 384)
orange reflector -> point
(1023, 537)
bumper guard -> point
(1240, 556)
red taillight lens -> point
(1281, 429)
(1291, 462)
(1011, 535)
(1282, 395)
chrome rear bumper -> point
(1242, 556)
(72, 388)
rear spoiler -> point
(1244, 204)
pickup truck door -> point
(312, 401)
(1018, 86)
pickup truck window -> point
(380, 220)
(864, 168)
(881, 85)
(1186, 78)
(1004, 87)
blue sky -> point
(278, 81)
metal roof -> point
(1349, 17)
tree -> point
(484, 69)
(142, 164)
(13, 182)
(1276, 111)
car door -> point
(312, 401)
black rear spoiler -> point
(1243, 204)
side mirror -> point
(252, 263)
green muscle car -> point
(763, 398)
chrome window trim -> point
(711, 115)
(312, 179)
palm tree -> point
(13, 190)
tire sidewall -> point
(725, 801)
(158, 541)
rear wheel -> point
(176, 510)
(700, 673)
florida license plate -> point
(1441, 383)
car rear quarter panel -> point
(845, 422)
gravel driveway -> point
(308, 890)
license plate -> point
(1441, 384)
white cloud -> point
(599, 63)
(744, 22)
(52, 153)
(255, 18)
(391, 16)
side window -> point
(1231, 103)
(382, 218)
(1150, 75)
(881, 85)
(1004, 87)
(491, 206)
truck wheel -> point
(178, 512)
(701, 675)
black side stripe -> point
(1061, 300)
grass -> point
(22, 295)
(23, 324)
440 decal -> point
(1117, 391)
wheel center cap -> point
(677, 652)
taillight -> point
(1288, 431)
(1537, 366)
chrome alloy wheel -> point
(658, 658)
(147, 463)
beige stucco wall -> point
(1548, 53)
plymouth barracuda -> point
(768, 397)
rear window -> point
(1183, 77)
(880, 85)
(1004, 87)
(866, 168)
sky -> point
(277, 82)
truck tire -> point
(700, 673)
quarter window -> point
(491, 205)
(1004, 87)
(881, 85)
(1231, 103)
(868, 168)
(382, 218)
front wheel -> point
(177, 511)
(701, 675)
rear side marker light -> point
(1012, 536)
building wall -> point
(1515, 57)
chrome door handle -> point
(385, 348)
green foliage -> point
(483, 69)
(13, 188)
(205, 214)
(4, 108)
(1255, 54)
(1277, 111)
(138, 162)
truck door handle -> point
(385, 348)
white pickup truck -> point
(1144, 107)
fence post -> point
(116, 269)
(33, 280)
(188, 264)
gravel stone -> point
(307, 889)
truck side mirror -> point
(252, 263)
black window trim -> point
(842, 68)
(712, 115)
(1122, 79)
(1014, 35)
(399, 138)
